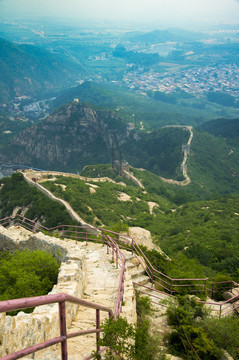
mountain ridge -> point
(26, 70)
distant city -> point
(195, 80)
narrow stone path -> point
(102, 281)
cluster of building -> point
(194, 80)
(33, 110)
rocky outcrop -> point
(69, 138)
(233, 296)
(143, 237)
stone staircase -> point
(102, 280)
(99, 279)
(142, 282)
(90, 264)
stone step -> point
(235, 291)
(137, 273)
(142, 280)
(129, 265)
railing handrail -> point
(25, 303)
(132, 241)
(221, 303)
(119, 255)
(131, 245)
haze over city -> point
(165, 12)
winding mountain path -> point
(34, 177)
(185, 157)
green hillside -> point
(228, 129)
(213, 165)
(199, 236)
(30, 71)
(159, 151)
(9, 127)
(101, 204)
(203, 231)
(80, 134)
(206, 231)
(16, 194)
(139, 108)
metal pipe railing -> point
(157, 278)
(61, 299)
(119, 256)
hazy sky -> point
(172, 11)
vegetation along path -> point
(186, 150)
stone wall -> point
(24, 330)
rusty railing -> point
(20, 304)
(159, 280)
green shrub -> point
(118, 336)
(26, 274)
(220, 288)
(224, 332)
(125, 341)
(143, 306)
(189, 336)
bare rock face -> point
(74, 134)
(143, 237)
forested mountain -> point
(228, 129)
(213, 164)
(153, 111)
(80, 134)
(26, 70)
(199, 236)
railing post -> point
(107, 247)
(76, 232)
(171, 291)
(205, 287)
(86, 237)
(103, 240)
(113, 258)
(132, 243)
(62, 231)
(212, 290)
(97, 328)
(117, 258)
(220, 312)
(62, 311)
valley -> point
(128, 131)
